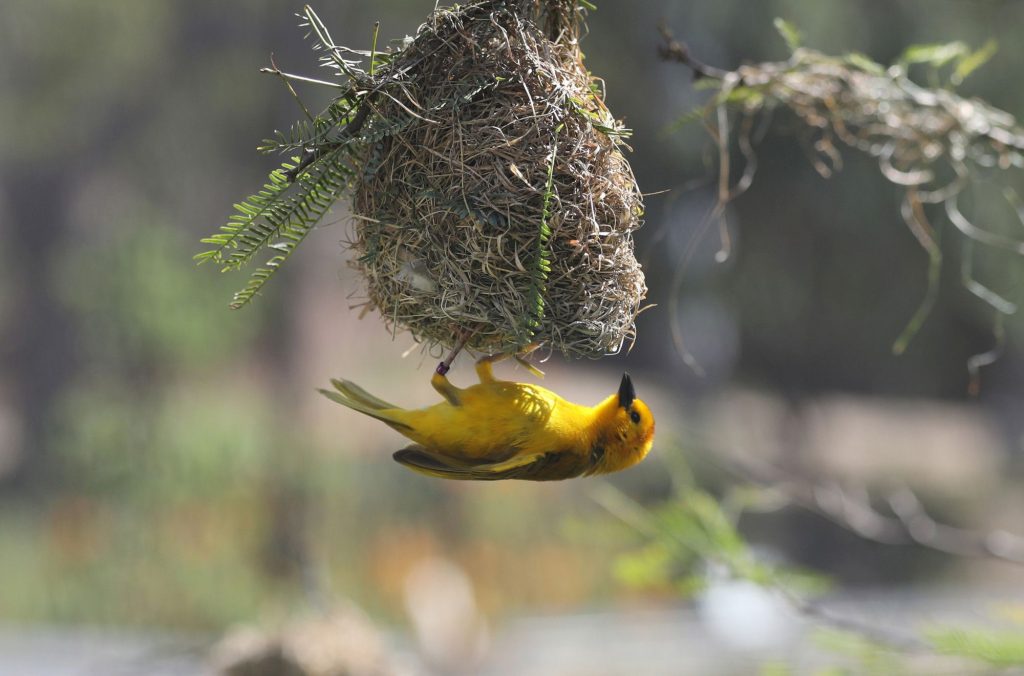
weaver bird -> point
(505, 430)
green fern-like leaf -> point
(332, 53)
(243, 226)
(287, 227)
(278, 219)
(325, 130)
(935, 55)
(301, 135)
(789, 33)
(972, 62)
(322, 152)
(538, 287)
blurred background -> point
(168, 472)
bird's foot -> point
(484, 364)
(446, 364)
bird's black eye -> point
(635, 417)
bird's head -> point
(627, 428)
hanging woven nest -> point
(490, 194)
(494, 199)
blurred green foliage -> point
(691, 537)
(1000, 648)
(138, 307)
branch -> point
(673, 50)
(287, 77)
(906, 643)
(925, 531)
(910, 525)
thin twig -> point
(301, 78)
(914, 216)
(905, 643)
(673, 50)
(987, 357)
(287, 83)
(910, 525)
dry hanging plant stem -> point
(930, 142)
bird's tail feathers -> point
(352, 396)
(356, 393)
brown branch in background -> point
(853, 511)
(906, 643)
(673, 50)
(917, 222)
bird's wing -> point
(544, 466)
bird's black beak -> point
(626, 392)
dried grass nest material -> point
(912, 130)
(496, 200)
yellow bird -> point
(506, 430)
